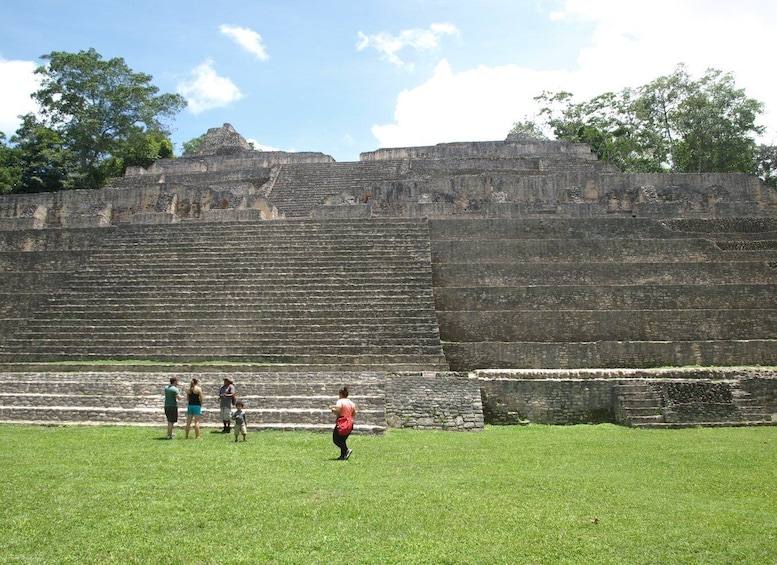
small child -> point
(240, 421)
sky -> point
(344, 77)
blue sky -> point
(348, 76)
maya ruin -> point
(449, 287)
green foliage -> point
(766, 164)
(673, 123)
(10, 170)
(192, 146)
(43, 160)
(506, 495)
(106, 115)
(528, 128)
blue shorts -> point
(194, 410)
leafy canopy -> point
(96, 117)
(674, 123)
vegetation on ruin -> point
(96, 117)
(673, 124)
(534, 494)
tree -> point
(192, 146)
(608, 123)
(102, 110)
(717, 123)
(528, 128)
(42, 159)
(673, 123)
(10, 171)
(766, 164)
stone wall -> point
(585, 396)
(492, 179)
(434, 401)
(509, 148)
(547, 401)
(762, 386)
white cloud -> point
(261, 147)
(389, 45)
(248, 39)
(475, 105)
(630, 45)
(19, 82)
(207, 90)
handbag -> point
(344, 425)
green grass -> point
(506, 495)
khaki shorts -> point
(240, 430)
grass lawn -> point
(535, 494)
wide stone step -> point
(201, 302)
(293, 419)
(367, 407)
(525, 274)
(639, 404)
(14, 391)
(610, 354)
(364, 361)
(615, 250)
(245, 347)
(239, 312)
(298, 341)
(608, 325)
(310, 272)
(607, 297)
(385, 245)
(274, 400)
(600, 228)
(375, 324)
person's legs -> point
(226, 419)
(171, 412)
(339, 441)
(188, 424)
(197, 427)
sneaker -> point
(168, 437)
(348, 454)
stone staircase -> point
(605, 292)
(637, 405)
(678, 403)
(288, 401)
(300, 188)
(301, 295)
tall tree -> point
(43, 160)
(100, 108)
(672, 123)
(10, 169)
(766, 164)
(717, 123)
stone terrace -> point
(516, 255)
(348, 294)
(288, 401)
(574, 293)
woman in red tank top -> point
(345, 410)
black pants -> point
(339, 441)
